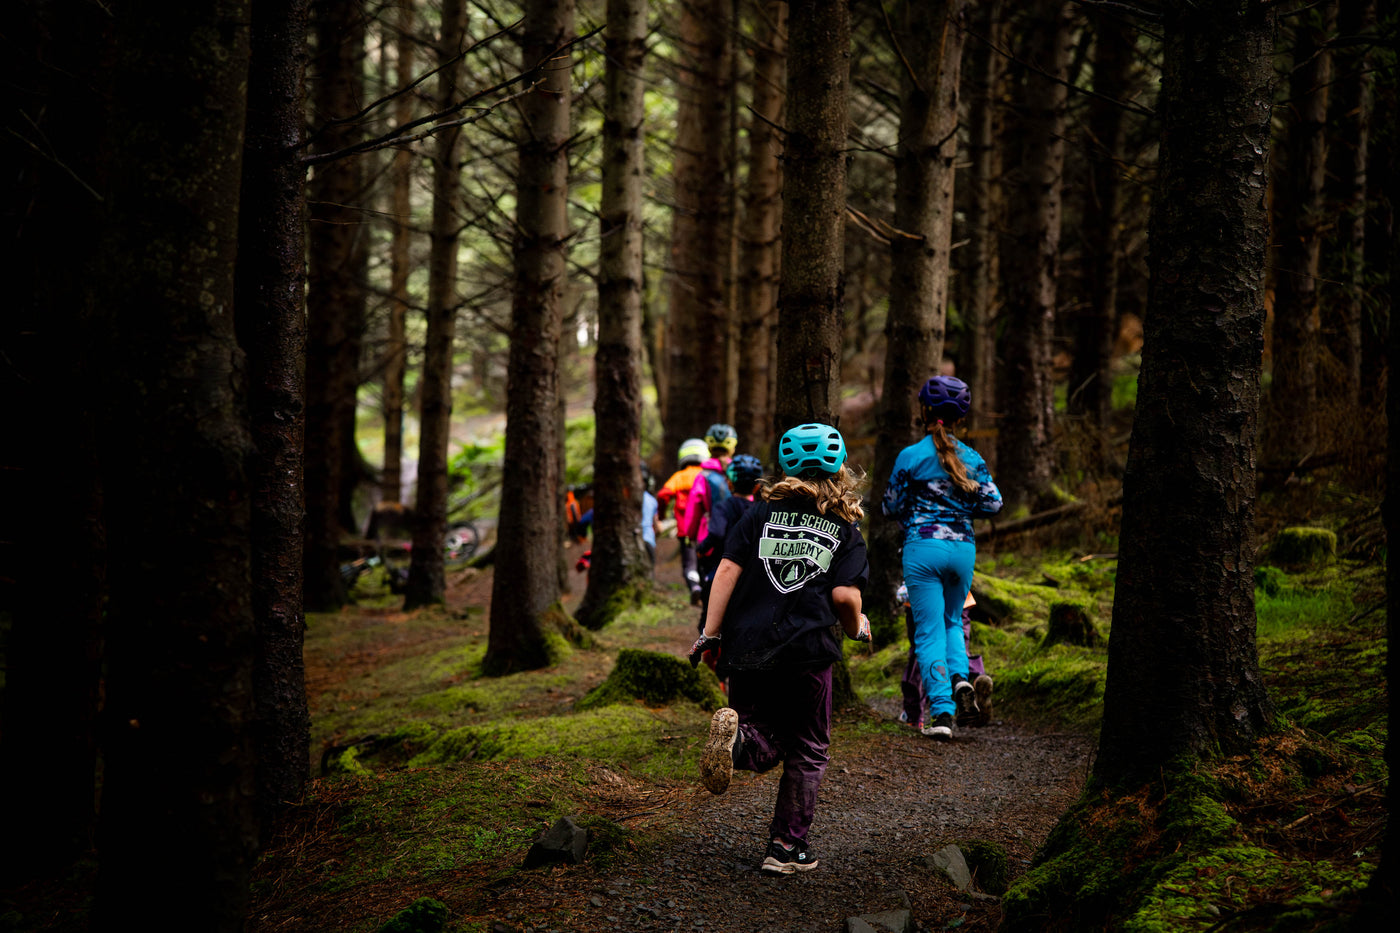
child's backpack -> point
(719, 486)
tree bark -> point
(931, 38)
(981, 266)
(760, 235)
(178, 781)
(401, 209)
(271, 326)
(814, 216)
(1291, 426)
(427, 577)
(1090, 391)
(1183, 674)
(1025, 444)
(1351, 105)
(335, 293)
(697, 316)
(51, 528)
(620, 562)
(526, 582)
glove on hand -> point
(702, 644)
(862, 630)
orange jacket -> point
(678, 488)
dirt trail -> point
(889, 800)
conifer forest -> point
(329, 318)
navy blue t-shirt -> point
(780, 614)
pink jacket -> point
(697, 513)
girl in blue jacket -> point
(938, 486)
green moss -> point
(661, 743)
(988, 863)
(424, 915)
(657, 679)
(1010, 602)
(1302, 546)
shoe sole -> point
(774, 867)
(941, 733)
(983, 688)
(717, 760)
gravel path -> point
(888, 801)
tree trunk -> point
(526, 582)
(1183, 674)
(401, 209)
(1291, 424)
(760, 235)
(697, 317)
(980, 268)
(271, 327)
(1351, 104)
(620, 563)
(51, 532)
(814, 216)
(1025, 444)
(427, 580)
(334, 294)
(931, 44)
(178, 780)
(1090, 393)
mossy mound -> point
(1006, 602)
(378, 751)
(1071, 622)
(1203, 847)
(424, 915)
(988, 863)
(657, 680)
(1302, 546)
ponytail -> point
(948, 457)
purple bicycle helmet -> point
(945, 398)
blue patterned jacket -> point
(923, 498)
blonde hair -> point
(836, 492)
(953, 464)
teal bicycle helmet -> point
(811, 447)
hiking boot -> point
(916, 723)
(717, 760)
(965, 698)
(941, 728)
(781, 860)
(983, 687)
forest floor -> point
(686, 859)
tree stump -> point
(1071, 624)
(1301, 546)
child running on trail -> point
(692, 452)
(793, 567)
(711, 486)
(745, 477)
(937, 487)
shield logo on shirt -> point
(792, 555)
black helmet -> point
(945, 398)
(743, 471)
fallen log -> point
(1041, 519)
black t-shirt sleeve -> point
(851, 567)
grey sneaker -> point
(784, 861)
(717, 760)
(983, 687)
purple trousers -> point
(911, 685)
(785, 718)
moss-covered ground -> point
(431, 778)
(1281, 839)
